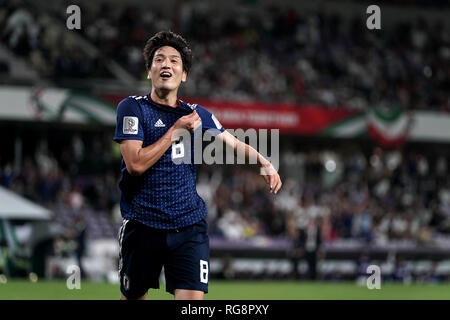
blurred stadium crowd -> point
(374, 198)
(340, 64)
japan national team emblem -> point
(130, 125)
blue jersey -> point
(165, 195)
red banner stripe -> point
(288, 118)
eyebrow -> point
(171, 56)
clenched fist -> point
(190, 122)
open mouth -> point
(165, 75)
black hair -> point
(168, 38)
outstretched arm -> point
(268, 172)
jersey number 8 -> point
(204, 271)
(178, 149)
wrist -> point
(171, 134)
(264, 163)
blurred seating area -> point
(374, 198)
(277, 54)
(371, 198)
(43, 45)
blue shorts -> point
(184, 253)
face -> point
(166, 71)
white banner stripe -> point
(390, 130)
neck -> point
(166, 98)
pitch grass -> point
(231, 290)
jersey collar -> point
(180, 108)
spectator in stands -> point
(284, 55)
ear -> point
(184, 76)
(149, 74)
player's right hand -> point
(189, 122)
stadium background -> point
(364, 134)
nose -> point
(166, 63)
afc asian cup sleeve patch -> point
(130, 125)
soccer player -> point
(163, 216)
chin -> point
(168, 87)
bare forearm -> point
(250, 153)
(144, 158)
(267, 170)
(151, 154)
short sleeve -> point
(209, 121)
(128, 121)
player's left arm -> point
(268, 172)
